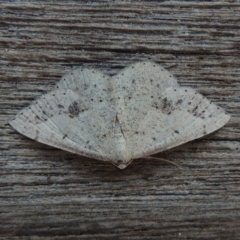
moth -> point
(137, 113)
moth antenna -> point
(162, 159)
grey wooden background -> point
(46, 193)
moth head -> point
(121, 164)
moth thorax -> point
(122, 155)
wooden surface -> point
(46, 193)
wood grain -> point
(47, 193)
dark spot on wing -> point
(194, 109)
(167, 106)
(74, 109)
(166, 103)
(179, 101)
(204, 130)
(60, 106)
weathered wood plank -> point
(50, 194)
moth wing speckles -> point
(137, 113)
(96, 91)
(66, 119)
(178, 116)
(137, 86)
